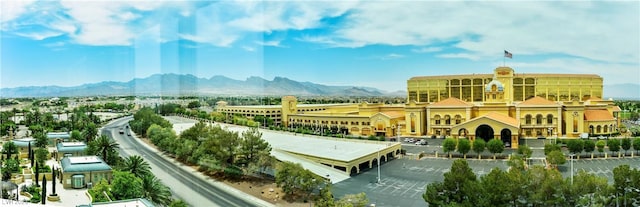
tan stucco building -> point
(503, 105)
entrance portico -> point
(490, 126)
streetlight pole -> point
(378, 165)
(571, 155)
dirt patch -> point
(260, 188)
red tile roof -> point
(597, 115)
(452, 102)
(537, 101)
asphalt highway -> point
(183, 183)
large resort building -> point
(503, 105)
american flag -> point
(508, 54)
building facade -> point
(503, 105)
(79, 172)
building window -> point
(549, 119)
(458, 119)
(437, 119)
(598, 129)
(447, 120)
(539, 119)
(527, 119)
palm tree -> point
(155, 191)
(90, 132)
(105, 145)
(137, 166)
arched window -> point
(611, 128)
(527, 119)
(447, 120)
(437, 119)
(458, 119)
(606, 129)
(539, 119)
(549, 119)
(598, 129)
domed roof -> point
(495, 82)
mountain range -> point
(184, 84)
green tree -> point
(9, 148)
(353, 200)
(464, 145)
(600, 145)
(614, 145)
(126, 185)
(76, 135)
(556, 158)
(495, 146)
(589, 146)
(549, 147)
(495, 189)
(478, 146)
(41, 139)
(575, 146)
(11, 166)
(456, 186)
(626, 145)
(137, 166)
(252, 146)
(178, 203)
(626, 178)
(292, 178)
(90, 132)
(516, 161)
(104, 146)
(585, 187)
(449, 145)
(41, 156)
(227, 143)
(636, 144)
(155, 191)
(193, 105)
(325, 197)
(525, 151)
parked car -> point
(121, 131)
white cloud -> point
(427, 49)
(12, 9)
(391, 56)
(250, 49)
(605, 31)
(271, 43)
(460, 55)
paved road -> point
(184, 184)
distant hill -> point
(175, 84)
(622, 91)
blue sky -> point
(379, 44)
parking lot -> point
(403, 181)
(599, 167)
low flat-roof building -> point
(23, 146)
(70, 149)
(77, 172)
(56, 137)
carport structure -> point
(351, 156)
